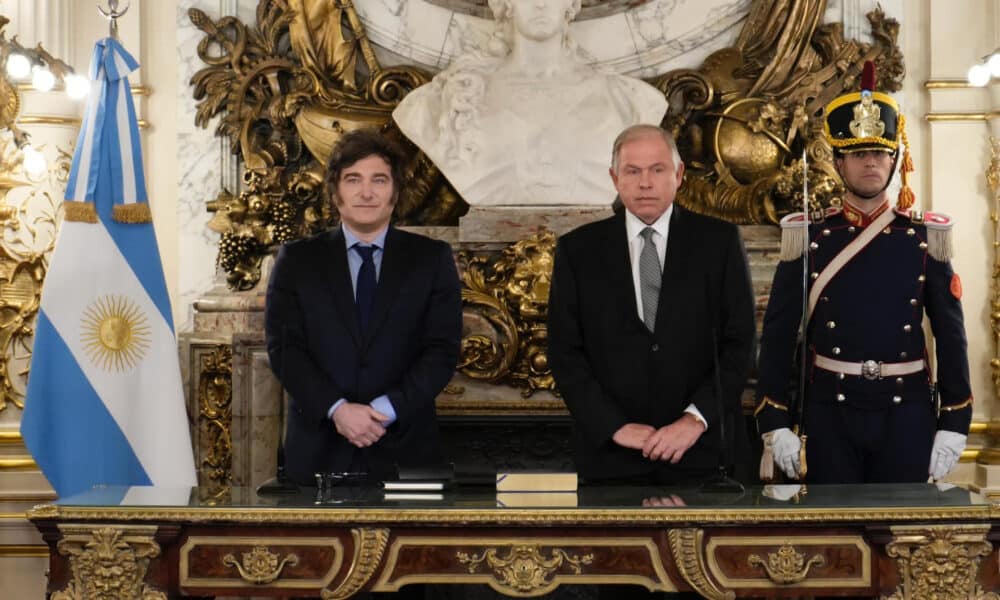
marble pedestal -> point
(513, 223)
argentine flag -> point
(104, 401)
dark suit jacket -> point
(611, 370)
(319, 353)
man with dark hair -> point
(363, 326)
(650, 320)
(874, 270)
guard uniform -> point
(870, 411)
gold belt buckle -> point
(871, 370)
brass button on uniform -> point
(899, 381)
(907, 328)
(897, 399)
(903, 355)
(836, 350)
(923, 245)
(826, 232)
(851, 229)
(911, 231)
(913, 302)
(830, 324)
(841, 397)
(813, 246)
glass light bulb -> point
(994, 64)
(34, 162)
(18, 66)
(77, 86)
(979, 75)
(42, 79)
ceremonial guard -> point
(864, 275)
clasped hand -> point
(668, 443)
(361, 424)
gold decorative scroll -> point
(215, 418)
(369, 546)
(260, 565)
(939, 561)
(28, 238)
(742, 119)
(524, 570)
(993, 182)
(108, 562)
(785, 566)
(688, 549)
(512, 294)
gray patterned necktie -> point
(650, 276)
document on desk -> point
(536, 499)
(536, 481)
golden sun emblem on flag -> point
(116, 334)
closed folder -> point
(536, 481)
(536, 499)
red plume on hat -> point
(868, 77)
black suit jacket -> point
(611, 370)
(319, 353)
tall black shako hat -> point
(869, 120)
(865, 120)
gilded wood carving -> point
(215, 420)
(523, 570)
(108, 562)
(939, 562)
(260, 566)
(512, 293)
(287, 88)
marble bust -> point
(525, 121)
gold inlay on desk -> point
(522, 566)
(845, 561)
(318, 561)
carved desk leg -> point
(369, 546)
(688, 549)
(939, 561)
(108, 562)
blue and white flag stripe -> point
(105, 404)
(111, 121)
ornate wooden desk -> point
(886, 541)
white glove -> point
(948, 446)
(783, 491)
(786, 446)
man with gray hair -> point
(650, 320)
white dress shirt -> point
(633, 232)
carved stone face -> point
(540, 20)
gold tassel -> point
(767, 458)
(906, 198)
(137, 212)
(803, 465)
(79, 212)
